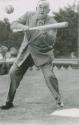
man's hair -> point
(45, 2)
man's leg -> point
(52, 82)
(16, 75)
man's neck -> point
(41, 17)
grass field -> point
(34, 102)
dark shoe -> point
(60, 104)
(7, 106)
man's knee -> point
(49, 73)
(13, 70)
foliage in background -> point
(67, 38)
(7, 37)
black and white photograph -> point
(39, 62)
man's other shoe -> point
(7, 106)
(60, 104)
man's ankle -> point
(7, 106)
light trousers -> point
(17, 73)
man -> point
(37, 48)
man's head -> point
(42, 8)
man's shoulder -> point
(51, 19)
(30, 13)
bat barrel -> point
(61, 25)
(50, 26)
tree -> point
(7, 37)
(66, 38)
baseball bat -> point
(44, 27)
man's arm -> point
(20, 23)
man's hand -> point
(15, 26)
(25, 28)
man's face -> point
(42, 10)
